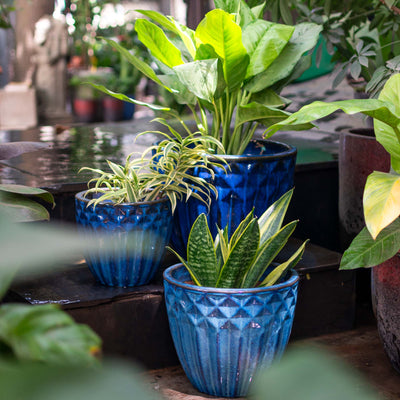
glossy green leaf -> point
(314, 374)
(271, 220)
(264, 41)
(280, 271)
(27, 190)
(36, 381)
(180, 92)
(46, 333)
(258, 112)
(143, 67)
(374, 108)
(22, 209)
(219, 30)
(202, 260)
(270, 98)
(204, 78)
(240, 7)
(265, 255)
(381, 201)
(365, 252)
(258, 10)
(304, 38)
(240, 256)
(157, 42)
(388, 132)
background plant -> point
(231, 67)
(168, 172)
(242, 260)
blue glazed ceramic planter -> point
(140, 232)
(256, 179)
(224, 336)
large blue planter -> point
(224, 336)
(258, 178)
(138, 233)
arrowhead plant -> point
(231, 67)
(380, 239)
(244, 260)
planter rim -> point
(358, 132)
(80, 196)
(290, 150)
(167, 275)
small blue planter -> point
(258, 178)
(138, 231)
(224, 336)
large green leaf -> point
(157, 42)
(240, 256)
(239, 7)
(264, 41)
(381, 201)
(201, 257)
(46, 333)
(281, 270)
(265, 255)
(180, 91)
(365, 252)
(203, 78)
(143, 67)
(219, 30)
(185, 33)
(22, 209)
(36, 381)
(271, 220)
(389, 136)
(270, 98)
(29, 191)
(304, 38)
(258, 112)
(374, 108)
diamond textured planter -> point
(256, 179)
(224, 336)
(138, 231)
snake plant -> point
(243, 260)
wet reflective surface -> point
(72, 148)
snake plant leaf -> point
(204, 78)
(281, 270)
(264, 41)
(169, 23)
(374, 108)
(136, 62)
(241, 228)
(219, 30)
(365, 252)
(267, 252)
(46, 333)
(157, 42)
(271, 220)
(201, 257)
(388, 135)
(381, 201)
(240, 256)
(304, 38)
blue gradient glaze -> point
(224, 336)
(143, 227)
(256, 179)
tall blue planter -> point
(258, 178)
(223, 337)
(137, 234)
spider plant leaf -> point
(202, 260)
(281, 270)
(240, 257)
(266, 254)
(271, 221)
(117, 169)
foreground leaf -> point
(381, 201)
(46, 333)
(365, 252)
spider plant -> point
(164, 169)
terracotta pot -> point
(359, 155)
(87, 110)
(112, 109)
(386, 295)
